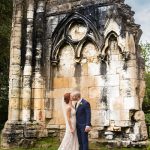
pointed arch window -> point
(75, 30)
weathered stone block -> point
(15, 81)
(113, 92)
(84, 93)
(15, 92)
(139, 116)
(15, 60)
(128, 87)
(48, 113)
(99, 81)
(94, 134)
(114, 115)
(30, 14)
(94, 92)
(130, 73)
(25, 114)
(131, 103)
(14, 103)
(125, 115)
(13, 114)
(142, 89)
(87, 81)
(123, 123)
(116, 103)
(113, 67)
(112, 80)
(84, 67)
(30, 133)
(39, 115)
(93, 69)
(95, 119)
(42, 133)
(38, 93)
(73, 82)
(15, 70)
(26, 103)
(38, 82)
(61, 83)
(94, 102)
(52, 126)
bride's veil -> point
(64, 110)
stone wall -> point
(57, 46)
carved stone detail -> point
(76, 30)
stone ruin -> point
(59, 45)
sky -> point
(142, 16)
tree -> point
(5, 30)
(146, 55)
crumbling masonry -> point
(59, 45)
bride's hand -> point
(72, 131)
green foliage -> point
(5, 30)
(147, 93)
(146, 54)
(5, 26)
(146, 104)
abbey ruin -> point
(59, 45)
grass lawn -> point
(53, 144)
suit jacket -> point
(83, 114)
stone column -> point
(15, 59)
(38, 82)
(38, 88)
(27, 72)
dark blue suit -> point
(83, 119)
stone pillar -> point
(15, 59)
(27, 72)
(38, 85)
(38, 82)
(14, 76)
(38, 91)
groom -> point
(83, 119)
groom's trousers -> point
(82, 137)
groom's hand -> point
(87, 129)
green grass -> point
(42, 144)
(94, 146)
(53, 144)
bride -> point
(70, 140)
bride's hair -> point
(67, 98)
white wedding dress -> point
(70, 140)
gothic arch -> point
(57, 48)
(106, 45)
(79, 48)
(60, 35)
(104, 55)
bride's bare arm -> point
(69, 120)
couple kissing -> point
(78, 122)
